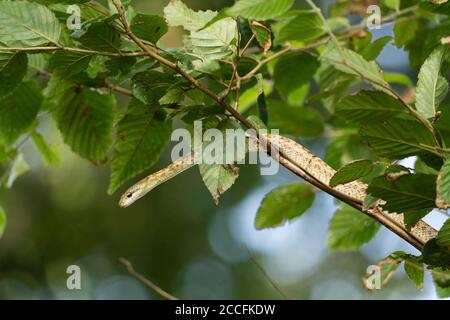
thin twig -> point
(237, 93)
(247, 45)
(230, 85)
(266, 275)
(146, 281)
(71, 49)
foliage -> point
(115, 95)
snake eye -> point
(129, 195)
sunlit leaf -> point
(431, 87)
(218, 178)
(27, 24)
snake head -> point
(130, 196)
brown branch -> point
(146, 281)
(374, 213)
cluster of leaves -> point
(284, 68)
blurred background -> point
(176, 236)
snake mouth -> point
(125, 199)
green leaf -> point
(37, 62)
(443, 125)
(284, 204)
(18, 110)
(397, 138)
(353, 63)
(2, 221)
(387, 267)
(211, 43)
(27, 24)
(431, 87)
(351, 172)
(178, 14)
(414, 270)
(412, 217)
(256, 122)
(441, 278)
(409, 192)
(398, 78)
(173, 95)
(69, 63)
(13, 67)
(392, 4)
(85, 119)
(49, 154)
(217, 178)
(288, 80)
(102, 37)
(18, 168)
(443, 237)
(372, 51)
(150, 86)
(349, 229)
(120, 64)
(193, 113)
(438, 7)
(405, 31)
(149, 27)
(368, 106)
(435, 255)
(346, 148)
(263, 35)
(259, 9)
(262, 102)
(297, 121)
(142, 135)
(305, 27)
(443, 186)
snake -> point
(298, 159)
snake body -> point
(147, 184)
(298, 159)
(356, 190)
